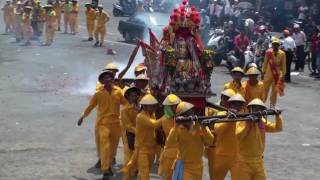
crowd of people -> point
(30, 19)
(300, 39)
(137, 113)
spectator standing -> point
(215, 12)
(314, 46)
(314, 11)
(235, 11)
(309, 27)
(204, 26)
(300, 39)
(289, 47)
(318, 60)
(303, 10)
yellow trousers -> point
(211, 154)
(8, 23)
(223, 164)
(167, 160)
(251, 171)
(145, 160)
(192, 171)
(66, 20)
(100, 31)
(90, 29)
(131, 166)
(18, 29)
(59, 19)
(128, 153)
(107, 141)
(74, 23)
(50, 31)
(27, 32)
(269, 81)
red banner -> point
(131, 59)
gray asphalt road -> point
(44, 90)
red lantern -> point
(193, 8)
(184, 2)
(175, 16)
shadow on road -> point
(94, 170)
(79, 178)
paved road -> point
(44, 90)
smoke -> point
(156, 22)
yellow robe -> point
(57, 7)
(280, 62)
(251, 140)
(107, 129)
(145, 143)
(128, 119)
(51, 26)
(226, 150)
(8, 16)
(101, 20)
(169, 152)
(253, 92)
(26, 26)
(191, 145)
(90, 20)
(74, 18)
(234, 86)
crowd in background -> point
(242, 21)
(29, 20)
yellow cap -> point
(140, 67)
(237, 98)
(171, 99)
(142, 77)
(148, 99)
(257, 102)
(253, 71)
(276, 41)
(228, 92)
(237, 69)
(183, 107)
(111, 66)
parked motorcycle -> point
(220, 44)
(124, 8)
(216, 38)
